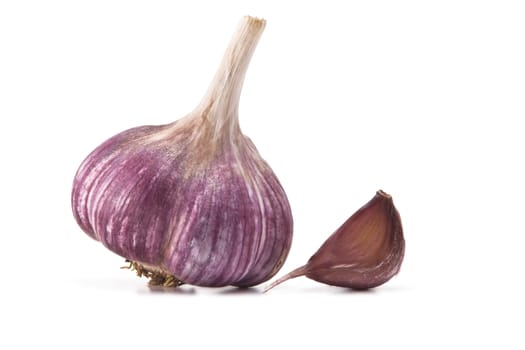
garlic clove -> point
(191, 201)
(365, 252)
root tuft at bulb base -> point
(156, 277)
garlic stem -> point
(300, 271)
(220, 105)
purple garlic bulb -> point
(192, 201)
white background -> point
(422, 99)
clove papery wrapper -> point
(365, 252)
(190, 201)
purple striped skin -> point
(209, 213)
(192, 198)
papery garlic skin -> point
(365, 252)
(192, 198)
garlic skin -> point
(193, 199)
(365, 252)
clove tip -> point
(383, 194)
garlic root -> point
(156, 277)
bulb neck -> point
(220, 105)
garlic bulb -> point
(191, 201)
(365, 252)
